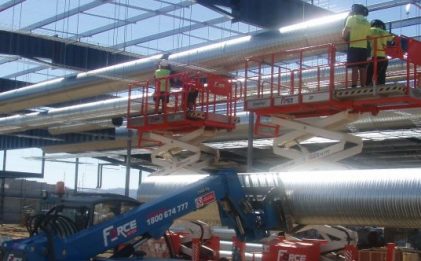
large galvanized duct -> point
(65, 115)
(225, 55)
(105, 80)
(85, 116)
(98, 115)
(389, 198)
(82, 126)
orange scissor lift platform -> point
(214, 106)
(194, 106)
(287, 88)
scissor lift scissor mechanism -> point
(317, 87)
(177, 129)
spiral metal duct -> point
(58, 117)
(393, 119)
(87, 125)
(225, 55)
(87, 84)
(389, 198)
(95, 110)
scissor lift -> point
(175, 130)
(308, 92)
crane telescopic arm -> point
(153, 219)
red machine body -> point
(281, 249)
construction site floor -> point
(12, 231)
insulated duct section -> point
(66, 115)
(98, 115)
(224, 56)
(90, 116)
(87, 84)
(387, 198)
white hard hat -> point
(164, 63)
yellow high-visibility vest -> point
(382, 37)
(161, 75)
(359, 30)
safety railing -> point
(287, 73)
(183, 100)
(315, 74)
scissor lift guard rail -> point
(319, 85)
(193, 107)
(213, 104)
(316, 84)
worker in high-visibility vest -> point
(379, 39)
(162, 86)
(356, 32)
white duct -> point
(105, 80)
(98, 115)
(226, 55)
(345, 197)
(86, 125)
(65, 115)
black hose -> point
(32, 224)
(56, 224)
(52, 225)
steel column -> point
(250, 142)
(128, 162)
(76, 173)
(3, 183)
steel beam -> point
(133, 19)
(18, 175)
(389, 4)
(172, 32)
(7, 84)
(64, 15)
(61, 52)
(404, 23)
(179, 17)
(9, 4)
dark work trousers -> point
(161, 96)
(382, 64)
(191, 99)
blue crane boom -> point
(153, 219)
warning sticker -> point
(205, 199)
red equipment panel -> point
(281, 249)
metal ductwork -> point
(387, 198)
(105, 80)
(227, 55)
(97, 115)
(86, 125)
(393, 119)
(66, 115)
